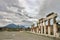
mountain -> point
(14, 26)
(11, 26)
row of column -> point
(44, 29)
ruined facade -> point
(44, 29)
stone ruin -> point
(44, 29)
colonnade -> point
(42, 28)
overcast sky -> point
(25, 11)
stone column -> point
(33, 30)
(49, 32)
(41, 27)
(44, 27)
(54, 26)
(37, 28)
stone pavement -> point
(23, 36)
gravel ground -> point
(23, 36)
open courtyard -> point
(23, 36)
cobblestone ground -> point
(23, 36)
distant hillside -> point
(14, 26)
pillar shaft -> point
(44, 27)
(41, 28)
(31, 29)
(54, 26)
(49, 27)
(37, 30)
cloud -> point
(26, 11)
(50, 6)
(31, 7)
